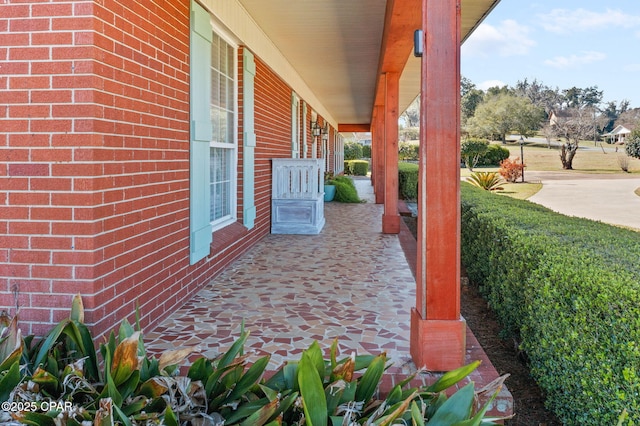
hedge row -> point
(408, 181)
(356, 167)
(569, 290)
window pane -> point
(230, 127)
(220, 182)
(223, 92)
(215, 52)
(222, 150)
(230, 59)
(215, 124)
(230, 94)
(215, 88)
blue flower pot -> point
(329, 192)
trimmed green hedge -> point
(356, 167)
(494, 155)
(408, 181)
(569, 290)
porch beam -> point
(391, 218)
(402, 18)
(437, 329)
(357, 127)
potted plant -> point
(329, 187)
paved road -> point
(607, 198)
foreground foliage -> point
(129, 387)
(568, 290)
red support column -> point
(437, 329)
(391, 218)
(377, 153)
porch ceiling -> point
(335, 46)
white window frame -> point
(296, 126)
(226, 220)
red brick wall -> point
(273, 134)
(94, 170)
(45, 206)
(97, 157)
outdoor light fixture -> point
(522, 157)
(316, 130)
(325, 132)
(418, 43)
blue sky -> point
(561, 44)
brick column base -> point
(438, 345)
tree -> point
(629, 119)
(470, 98)
(612, 112)
(540, 94)
(632, 144)
(504, 113)
(576, 97)
(575, 125)
(411, 115)
(469, 103)
(471, 150)
(352, 150)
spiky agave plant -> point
(490, 181)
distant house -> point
(617, 135)
(363, 138)
(555, 115)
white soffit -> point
(334, 45)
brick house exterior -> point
(95, 170)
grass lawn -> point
(538, 157)
(588, 159)
(521, 191)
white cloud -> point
(564, 21)
(632, 68)
(485, 85)
(564, 62)
(507, 39)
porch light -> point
(316, 130)
(522, 157)
(325, 132)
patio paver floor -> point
(350, 282)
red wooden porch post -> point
(437, 329)
(391, 218)
(377, 153)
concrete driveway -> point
(607, 198)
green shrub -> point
(493, 155)
(471, 150)
(569, 290)
(345, 190)
(632, 144)
(408, 181)
(366, 151)
(359, 167)
(408, 151)
(356, 167)
(352, 150)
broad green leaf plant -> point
(126, 386)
